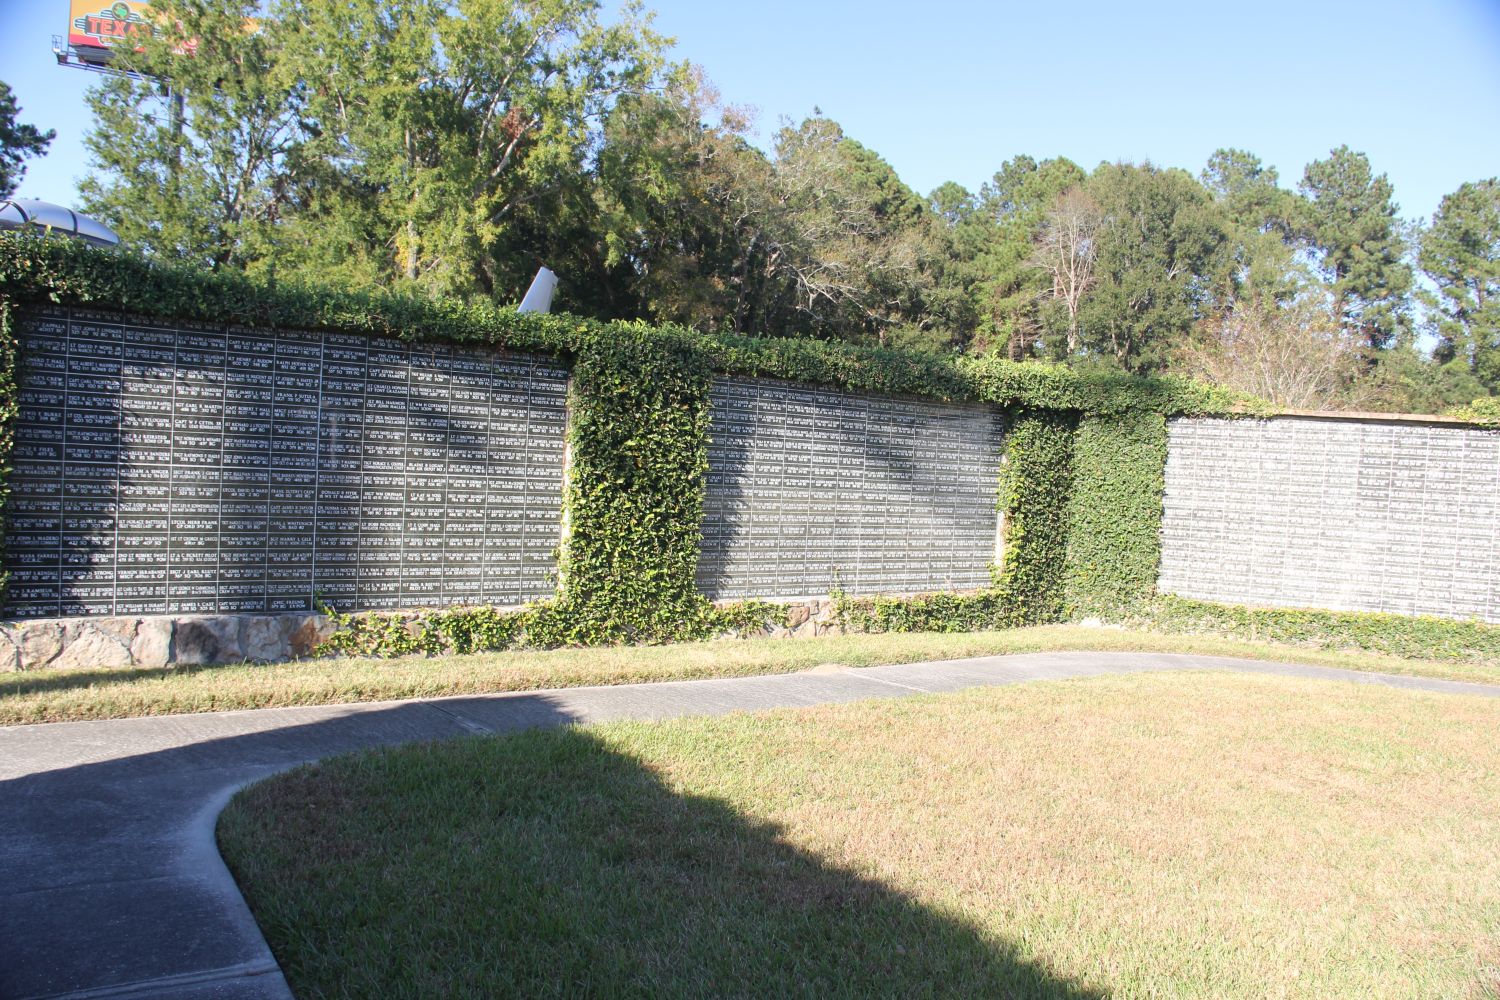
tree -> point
(959, 238)
(464, 124)
(1294, 353)
(1248, 190)
(1261, 220)
(191, 158)
(1066, 249)
(857, 240)
(1350, 220)
(423, 143)
(1461, 254)
(1162, 241)
(1009, 291)
(987, 292)
(702, 228)
(688, 219)
(1402, 380)
(17, 142)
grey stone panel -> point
(1341, 514)
(812, 488)
(195, 469)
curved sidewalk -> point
(110, 882)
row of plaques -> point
(186, 468)
(815, 489)
(1348, 515)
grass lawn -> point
(1159, 835)
(59, 695)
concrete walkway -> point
(110, 883)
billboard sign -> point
(102, 25)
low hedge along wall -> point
(1080, 490)
(1417, 636)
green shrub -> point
(1419, 636)
(1484, 411)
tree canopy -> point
(453, 146)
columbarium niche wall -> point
(1348, 514)
(814, 489)
(193, 469)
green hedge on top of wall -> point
(36, 270)
(1483, 412)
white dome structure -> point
(22, 213)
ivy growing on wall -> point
(544, 625)
(1080, 491)
(634, 504)
(927, 613)
(1035, 481)
(1114, 511)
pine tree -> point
(1350, 220)
(1461, 254)
(17, 142)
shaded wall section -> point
(1350, 514)
(810, 489)
(190, 468)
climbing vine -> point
(1079, 494)
(634, 504)
(1114, 512)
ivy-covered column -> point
(1036, 480)
(639, 442)
(1114, 534)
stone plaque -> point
(810, 488)
(1352, 515)
(189, 468)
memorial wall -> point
(192, 469)
(1358, 515)
(811, 489)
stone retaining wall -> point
(190, 640)
(102, 643)
(804, 619)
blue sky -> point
(949, 91)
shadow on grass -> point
(548, 863)
(21, 683)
